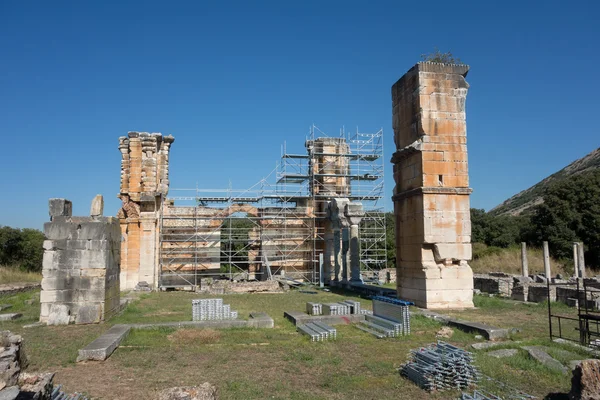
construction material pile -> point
(381, 327)
(394, 310)
(211, 310)
(345, 307)
(441, 366)
(318, 331)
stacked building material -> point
(314, 308)
(441, 366)
(318, 331)
(479, 395)
(58, 394)
(336, 309)
(393, 310)
(211, 310)
(354, 306)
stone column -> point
(328, 251)
(431, 196)
(335, 212)
(581, 259)
(524, 263)
(547, 271)
(337, 256)
(345, 248)
(575, 260)
(354, 214)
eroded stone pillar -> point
(524, 263)
(340, 226)
(328, 251)
(144, 186)
(431, 196)
(354, 214)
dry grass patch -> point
(509, 261)
(15, 275)
(195, 336)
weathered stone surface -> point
(431, 196)
(9, 393)
(585, 383)
(36, 386)
(502, 353)
(80, 270)
(488, 345)
(60, 314)
(5, 306)
(538, 354)
(10, 316)
(101, 348)
(60, 208)
(206, 391)
(97, 208)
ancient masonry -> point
(431, 197)
(144, 186)
(81, 266)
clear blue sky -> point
(233, 80)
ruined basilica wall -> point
(431, 197)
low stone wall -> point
(501, 285)
(222, 286)
(13, 288)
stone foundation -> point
(80, 267)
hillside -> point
(523, 201)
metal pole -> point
(549, 306)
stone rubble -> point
(585, 383)
(205, 391)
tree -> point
(570, 212)
(21, 247)
(438, 57)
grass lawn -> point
(274, 363)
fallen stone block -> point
(585, 383)
(5, 306)
(101, 348)
(502, 353)
(489, 332)
(9, 393)
(538, 354)
(10, 317)
(206, 391)
(488, 345)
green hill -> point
(523, 202)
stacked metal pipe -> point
(211, 310)
(58, 394)
(336, 309)
(393, 310)
(441, 366)
(318, 331)
(314, 308)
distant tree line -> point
(570, 213)
(21, 248)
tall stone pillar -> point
(354, 214)
(345, 248)
(337, 255)
(431, 196)
(144, 186)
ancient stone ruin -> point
(80, 267)
(144, 186)
(431, 197)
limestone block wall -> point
(80, 267)
(431, 196)
(144, 185)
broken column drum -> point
(144, 186)
(80, 272)
(431, 196)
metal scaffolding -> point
(276, 226)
